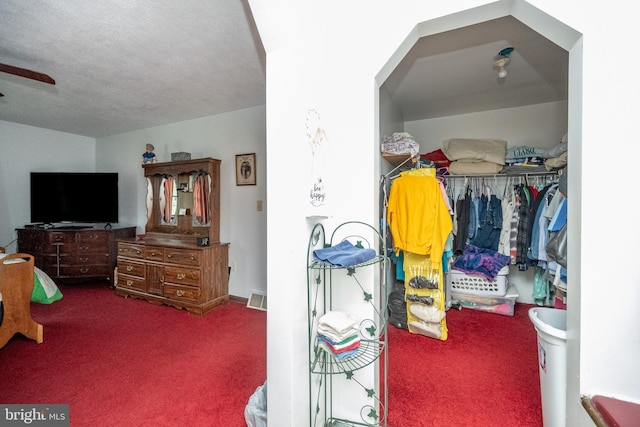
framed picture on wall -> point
(246, 169)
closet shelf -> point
(398, 159)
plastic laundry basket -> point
(551, 325)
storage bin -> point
(551, 326)
(504, 305)
(475, 284)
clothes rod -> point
(503, 175)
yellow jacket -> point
(418, 216)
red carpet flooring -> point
(485, 374)
(124, 362)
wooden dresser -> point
(74, 254)
(176, 274)
(181, 261)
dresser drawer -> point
(130, 282)
(130, 250)
(60, 237)
(131, 268)
(80, 271)
(59, 249)
(182, 256)
(87, 248)
(93, 237)
(154, 254)
(53, 260)
(189, 293)
(182, 276)
(89, 258)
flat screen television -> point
(74, 197)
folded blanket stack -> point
(525, 159)
(558, 155)
(475, 156)
(338, 334)
(400, 143)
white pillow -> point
(489, 150)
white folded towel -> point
(337, 321)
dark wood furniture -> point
(16, 285)
(181, 261)
(72, 254)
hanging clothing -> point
(508, 208)
(463, 217)
(523, 236)
(489, 228)
(418, 216)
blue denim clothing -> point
(489, 223)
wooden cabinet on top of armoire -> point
(180, 262)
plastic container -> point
(504, 305)
(475, 284)
(551, 326)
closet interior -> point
(473, 142)
(454, 238)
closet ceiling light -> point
(502, 60)
(500, 65)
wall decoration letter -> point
(246, 169)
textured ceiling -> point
(123, 65)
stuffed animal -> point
(149, 156)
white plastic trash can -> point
(551, 325)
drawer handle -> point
(129, 282)
(129, 267)
(84, 270)
(84, 259)
(169, 256)
(181, 276)
(179, 293)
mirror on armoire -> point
(183, 199)
(168, 200)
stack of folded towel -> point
(338, 334)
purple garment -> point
(481, 261)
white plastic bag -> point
(255, 413)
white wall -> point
(328, 54)
(222, 137)
(26, 149)
(540, 125)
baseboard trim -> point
(233, 298)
